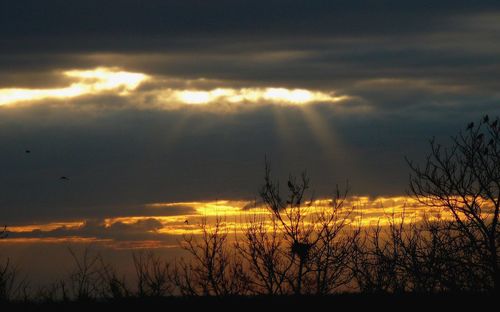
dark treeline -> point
(293, 251)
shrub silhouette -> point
(213, 270)
(152, 275)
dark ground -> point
(346, 302)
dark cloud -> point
(119, 160)
(57, 18)
(141, 230)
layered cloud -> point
(235, 216)
(103, 80)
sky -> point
(153, 109)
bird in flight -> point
(63, 178)
(27, 151)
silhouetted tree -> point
(152, 275)
(9, 283)
(111, 284)
(464, 178)
(317, 247)
(290, 213)
(84, 279)
(376, 261)
(332, 252)
(268, 263)
(212, 270)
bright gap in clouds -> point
(252, 95)
(88, 82)
(123, 83)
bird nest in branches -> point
(301, 249)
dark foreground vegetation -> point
(302, 257)
(351, 302)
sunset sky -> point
(162, 111)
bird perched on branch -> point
(470, 126)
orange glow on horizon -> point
(235, 216)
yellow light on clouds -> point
(102, 79)
(235, 216)
(93, 81)
(254, 95)
(195, 97)
(106, 79)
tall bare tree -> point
(290, 213)
(464, 178)
(317, 249)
